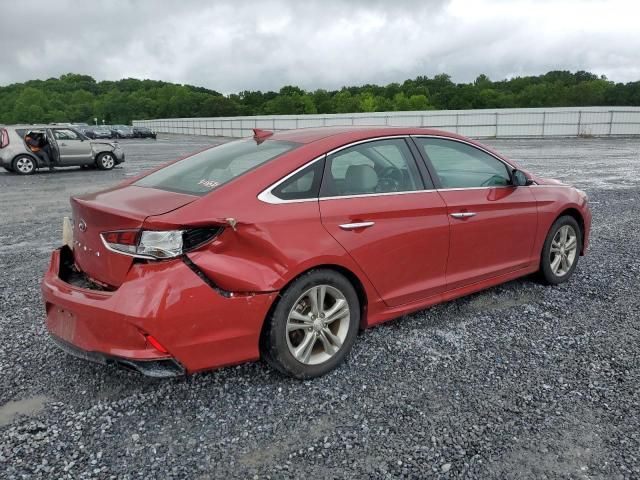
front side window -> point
(205, 171)
(380, 166)
(459, 165)
(65, 134)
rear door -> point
(493, 223)
(374, 201)
(74, 150)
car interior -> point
(378, 167)
(459, 165)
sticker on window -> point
(208, 183)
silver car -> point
(68, 147)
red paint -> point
(415, 256)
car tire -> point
(24, 165)
(561, 251)
(106, 161)
(295, 323)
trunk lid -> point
(120, 208)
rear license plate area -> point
(64, 323)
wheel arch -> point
(348, 274)
(100, 152)
(577, 216)
(35, 158)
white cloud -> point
(231, 46)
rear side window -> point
(204, 171)
(304, 184)
(4, 138)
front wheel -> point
(105, 161)
(561, 250)
(313, 326)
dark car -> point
(87, 131)
(122, 131)
(143, 132)
(102, 132)
(284, 246)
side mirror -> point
(518, 178)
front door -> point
(73, 149)
(373, 201)
(493, 223)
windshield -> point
(204, 171)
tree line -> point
(79, 98)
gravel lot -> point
(520, 381)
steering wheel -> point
(390, 179)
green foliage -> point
(79, 98)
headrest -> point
(360, 179)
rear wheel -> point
(24, 165)
(561, 250)
(313, 326)
(105, 161)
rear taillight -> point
(124, 241)
(4, 138)
(158, 244)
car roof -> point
(36, 126)
(354, 133)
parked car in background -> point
(102, 132)
(143, 132)
(122, 131)
(284, 245)
(86, 131)
(68, 145)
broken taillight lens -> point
(158, 244)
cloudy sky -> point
(235, 45)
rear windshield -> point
(204, 171)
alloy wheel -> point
(318, 324)
(107, 161)
(564, 248)
(25, 165)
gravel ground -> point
(519, 381)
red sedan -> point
(283, 246)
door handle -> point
(63, 144)
(463, 214)
(354, 226)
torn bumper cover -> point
(160, 368)
(195, 327)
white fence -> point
(520, 122)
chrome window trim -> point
(565, 185)
(268, 197)
(364, 195)
(475, 188)
(466, 143)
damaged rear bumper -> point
(159, 368)
(198, 327)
